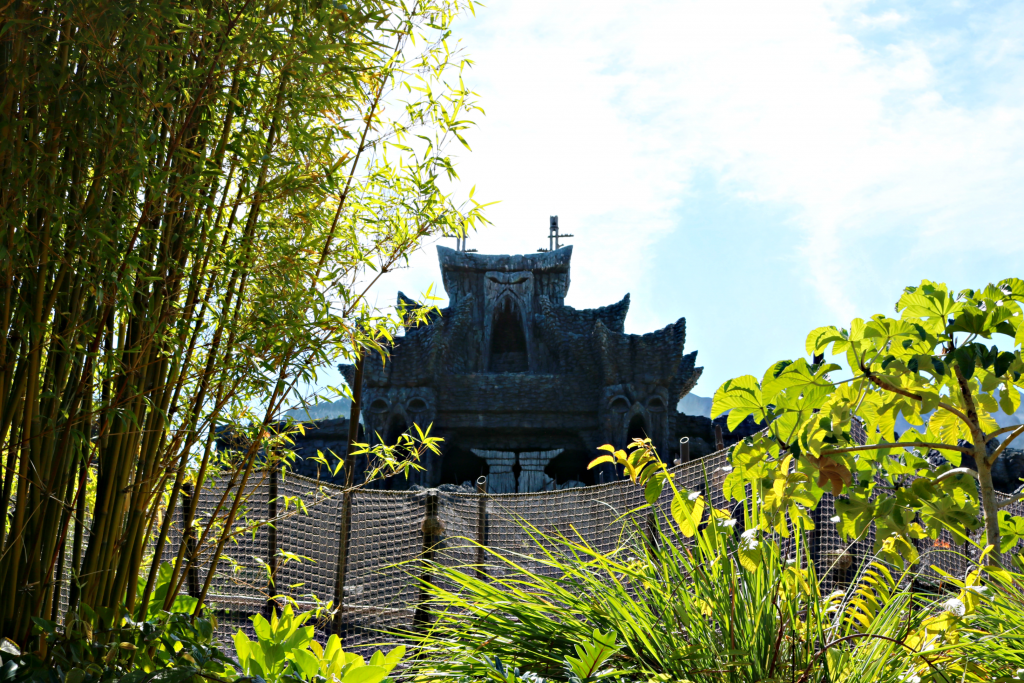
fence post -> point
(684, 451)
(344, 532)
(272, 540)
(192, 570)
(652, 532)
(481, 526)
(343, 542)
(719, 441)
(431, 537)
(815, 537)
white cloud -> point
(604, 112)
(885, 20)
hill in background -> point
(323, 411)
(691, 404)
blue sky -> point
(761, 168)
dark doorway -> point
(637, 429)
(396, 428)
(508, 341)
(459, 466)
(571, 465)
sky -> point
(759, 168)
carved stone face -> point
(390, 412)
(635, 410)
(508, 308)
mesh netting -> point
(387, 537)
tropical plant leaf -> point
(591, 655)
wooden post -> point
(684, 451)
(652, 532)
(432, 529)
(719, 441)
(481, 526)
(272, 540)
(192, 570)
(345, 528)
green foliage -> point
(683, 611)
(169, 647)
(181, 604)
(195, 200)
(667, 608)
(642, 466)
(285, 650)
(584, 668)
(495, 670)
(929, 366)
(586, 665)
(991, 629)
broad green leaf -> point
(262, 627)
(687, 511)
(1003, 362)
(965, 358)
(652, 492)
(986, 421)
(855, 514)
(741, 397)
(971, 322)
(786, 426)
(305, 663)
(392, 658)
(819, 339)
(896, 549)
(365, 674)
(948, 427)
(734, 487)
(1012, 287)
(242, 646)
(986, 402)
(750, 552)
(590, 656)
(177, 674)
(930, 302)
(333, 647)
(799, 376)
(1009, 398)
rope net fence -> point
(391, 531)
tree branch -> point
(956, 411)
(972, 412)
(1001, 430)
(1006, 442)
(904, 444)
(909, 394)
(954, 472)
(1010, 501)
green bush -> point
(169, 647)
(172, 647)
(285, 650)
(694, 601)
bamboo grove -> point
(196, 196)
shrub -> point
(695, 601)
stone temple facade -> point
(521, 387)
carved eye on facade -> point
(378, 405)
(656, 405)
(620, 405)
(416, 405)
